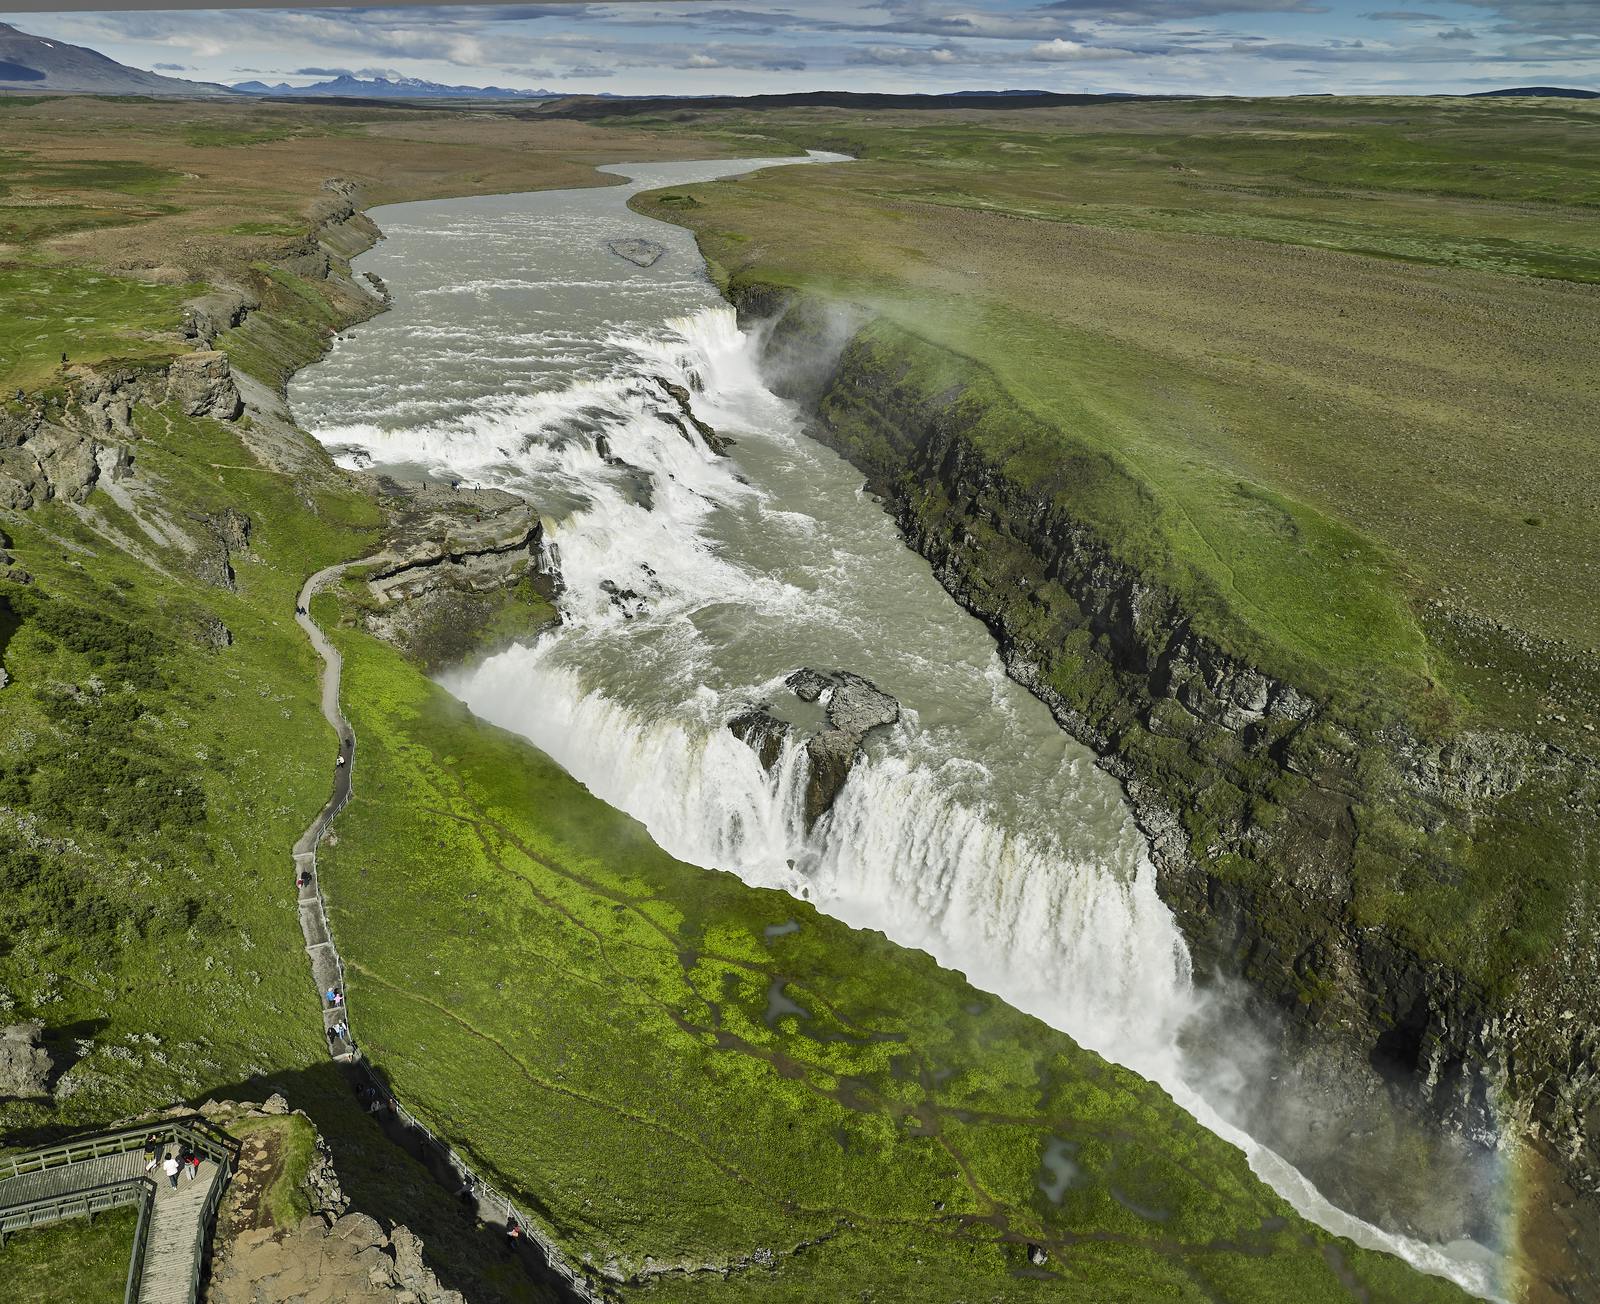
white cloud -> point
(1062, 51)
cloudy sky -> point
(1250, 47)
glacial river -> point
(523, 353)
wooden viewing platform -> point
(89, 1175)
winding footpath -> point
(327, 970)
(490, 1205)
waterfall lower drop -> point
(1078, 938)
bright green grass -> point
(89, 316)
(80, 1261)
(596, 1024)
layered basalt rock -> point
(201, 384)
(63, 448)
(459, 563)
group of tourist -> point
(180, 1158)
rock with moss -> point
(25, 1065)
(852, 707)
(202, 385)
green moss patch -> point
(596, 1025)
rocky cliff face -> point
(461, 570)
(62, 444)
(1263, 805)
(332, 1255)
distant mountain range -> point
(390, 88)
(1554, 92)
(31, 63)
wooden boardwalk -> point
(67, 1178)
(92, 1174)
(176, 1237)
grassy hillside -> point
(604, 1028)
(161, 745)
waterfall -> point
(695, 582)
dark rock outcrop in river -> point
(644, 253)
(852, 707)
(718, 444)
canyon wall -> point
(1270, 806)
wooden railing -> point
(73, 1204)
(205, 1139)
(208, 1214)
(490, 1198)
(141, 1239)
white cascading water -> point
(695, 582)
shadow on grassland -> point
(383, 1173)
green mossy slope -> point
(610, 1033)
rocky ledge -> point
(331, 1255)
(459, 566)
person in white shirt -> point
(169, 1166)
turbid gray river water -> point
(524, 353)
